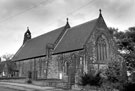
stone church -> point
(67, 52)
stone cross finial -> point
(100, 11)
(67, 19)
(27, 28)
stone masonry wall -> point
(53, 72)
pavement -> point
(6, 89)
(27, 87)
(30, 87)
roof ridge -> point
(45, 33)
(36, 46)
(63, 27)
(52, 35)
(83, 23)
(61, 38)
(75, 30)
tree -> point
(115, 77)
(7, 57)
(126, 45)
(89, 79)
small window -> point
(81, 60)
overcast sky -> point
(42, 16)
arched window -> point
(66, 67)
(101, 48)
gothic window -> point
(81, 61)
(66, 66)
(40, 66)
(101, 49)
(23, 68)
(101, 55)
(62, 63)
(81, 64)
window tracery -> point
(101, 51)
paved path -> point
(27, 87)
(6, 89)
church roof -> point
(75, 37)
(37, 46)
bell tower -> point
(27, 35)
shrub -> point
(113, 72)
(92, 80)
(97, 80)
(115, 75)
(29, 81)
(128, 87)
(85, 79)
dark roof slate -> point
(37, 46)
(75, 37)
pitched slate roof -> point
(75, 37)
(37, 46)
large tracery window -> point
(101, 49)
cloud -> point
(45, 15)
(117, 8)
(11, 8)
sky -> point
(42, 16)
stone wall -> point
(53, 72)
(70, 66)
(91, 48)
(34, 65)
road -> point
(7, 89)
(5, 86)
(2, 88)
